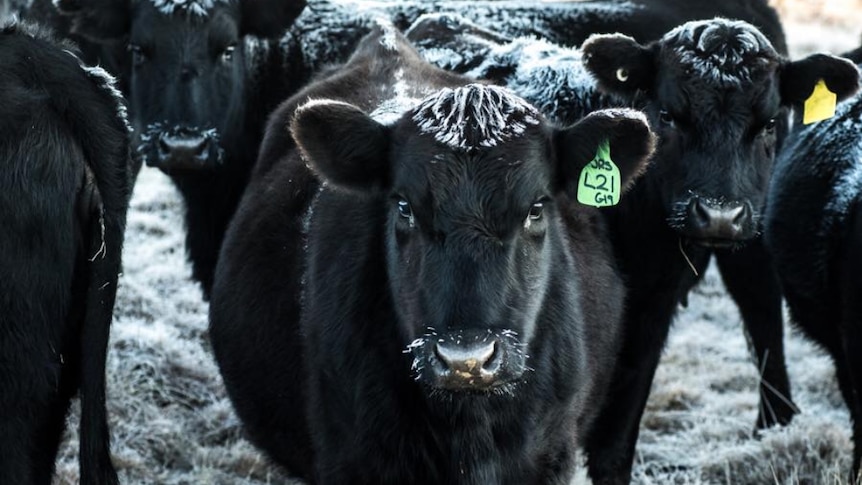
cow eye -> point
(227, 54)
(536, 211)
(138, 56)
(405, 212)
(666, 118)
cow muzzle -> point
(469, 361)
(717, 224)
(182, 149)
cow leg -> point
(849, 364)
(610, 444)
(30, 430)
(752, 283)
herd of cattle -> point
(442, 241)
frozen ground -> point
(172, 423)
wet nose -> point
(183, 149)
(470, 361)
(710, 220)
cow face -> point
(189, 65)
(716, 92)
(471, 181)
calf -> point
(64, 191)
(427, 303)
(556, 80)
(201, 77)
(201, 80)
(717, 92)
(813, 228)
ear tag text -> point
(599, 183)
(820, 105)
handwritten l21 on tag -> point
(599, 183)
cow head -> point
(188, 68)
(475, 185)
(716, 92)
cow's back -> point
(815, 190)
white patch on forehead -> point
(722, 52)
(403, 100)
(474, 116)
(200, 8)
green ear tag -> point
(820, 105)
(599, 183)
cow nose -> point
(710, 220)
(183, 150)
(472, 363)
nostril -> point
(164, 146)
(494, 361)
(739, 215)
(201, 147)
(701, 214)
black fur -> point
(571, 23)
(152, 53)
(813, 228)
(717, 144)
(64, 191)
(215, 77)
(321, 289)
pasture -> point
(172, 423)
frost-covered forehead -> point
(192, 8)
(474, 116)
(723, 53)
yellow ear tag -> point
(599, 183)
(820, 105)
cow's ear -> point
(97, 20)
(342, 144)
(620, 136)
(799, 78)
(269, 18)
(620, 65)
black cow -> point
(813, 229)
(651, 252)
(200, 85)
(64, 189)
(458, 308)
(715, 90)
(201, 77)
(570, 23)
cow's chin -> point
(718, 244)
(470, 385)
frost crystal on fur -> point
(200, 8)
(474, 116)
(723, 52)
(107, 82)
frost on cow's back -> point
(550, 77)
(200, 8)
